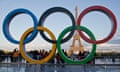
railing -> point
(102, 64)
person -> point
(80, 56)
(15, 55)
(58, 59)
(113, 57)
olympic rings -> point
(38, 26)
(108, 13)
(66, 59)
(22, 48)
(8, 19)
(53, 10)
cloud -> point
(106, 47)
(115, 41)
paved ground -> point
(59, 68)
(100, 67)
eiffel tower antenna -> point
(76, 14)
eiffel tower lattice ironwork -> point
(76, 49)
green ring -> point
(65, 58)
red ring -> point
(108, 13)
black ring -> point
(53, 10)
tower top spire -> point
(76, 13)
(76, 8)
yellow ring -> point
(24, 54)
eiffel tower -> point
(76, 37)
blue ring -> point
(9, 18)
